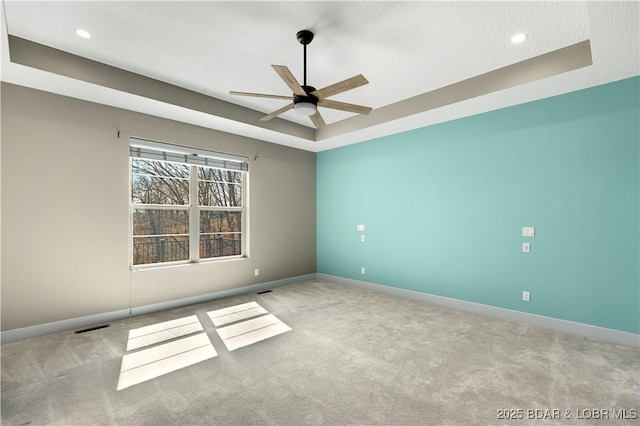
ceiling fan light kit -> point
(306, 99)
(305, 105)
(305, 108)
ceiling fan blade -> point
(289, 79)
(341, 86)
(342, 106)
(260, 95)
(317, 120)
(277, 112)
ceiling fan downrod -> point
(304, 37)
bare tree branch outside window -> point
(220, 229)
(161, 199)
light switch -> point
(528, 231)
(526, 247)
(360, 227)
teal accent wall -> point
(444, 208)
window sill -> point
(186, 263)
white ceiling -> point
(403, 48)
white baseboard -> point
(106, 317)
(586, 330)
(63, 325)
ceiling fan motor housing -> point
(309, 98)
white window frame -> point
(158, 151)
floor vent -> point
(97, 327)
(263, 292)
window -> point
(186, 204)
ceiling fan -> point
(306, 99)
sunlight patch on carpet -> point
(156, 361)
(163, 331)
(251, 331)
(235, 313)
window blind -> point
(152, 150)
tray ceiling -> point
(426, 62)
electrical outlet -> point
(362, 270)
(256, 272)
(526, 247)
(362, 238)
(526, 296)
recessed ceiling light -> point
(518, 38)
(83, 33)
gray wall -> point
(65, 211)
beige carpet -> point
(351, 357)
